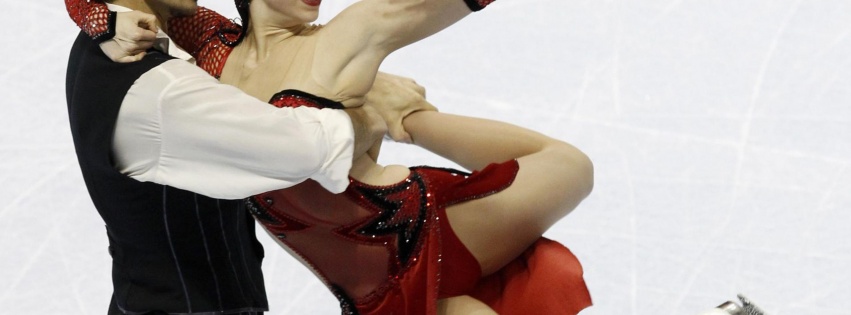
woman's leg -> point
(463, 305)
(553, 178)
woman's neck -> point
(267, 28)
(261, 39)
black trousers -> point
(114, 310)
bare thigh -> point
(463, 304)
(498, 228)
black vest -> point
(173, 251)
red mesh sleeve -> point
(207, 35)
(93, 17)
(477, 5)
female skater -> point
(402, 240)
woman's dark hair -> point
(244, 14)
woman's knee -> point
(582, 163)
(575, 166)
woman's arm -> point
(207, 36)
(387, 25)
(93, 18)
(123, 37)
(474, 143)
(356, 41)
(194, 32)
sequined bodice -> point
(377, 228)
(358, 242)
(362, 241)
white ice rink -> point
(720, 133)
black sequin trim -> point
(259, 211)
(347, 305)
(112, 18)
(310, 98)
(388, 221)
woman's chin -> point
(312, 3)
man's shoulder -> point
(90, 72)
(178, 69)
(86, 53)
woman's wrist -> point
(107, 31)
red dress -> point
(389, 249)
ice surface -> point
(720, 133)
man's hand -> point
(395, 98)
(135, 33)
(369, 129)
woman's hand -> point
(369, 128)
(395, 98)
(135, 33)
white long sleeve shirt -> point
(179, 126)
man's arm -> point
(178, 126)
